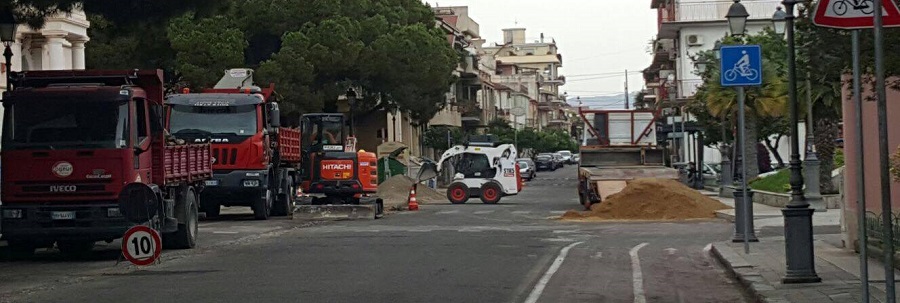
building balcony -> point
(708, 11)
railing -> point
(875, 232)
(716, 10)
(688, 88)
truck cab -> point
(72, 142)
(241, 121)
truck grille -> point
(225, 156)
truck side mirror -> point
(274, 115)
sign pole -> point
(886, 212)
(748, 216)
(860, 178)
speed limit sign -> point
(141, 245)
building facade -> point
(685, 28)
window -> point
(140, 111)
(66, 124)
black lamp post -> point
(351, 100)
(737, 18)
(8, 36)
(798, 231)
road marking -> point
(521, 212)
(558, 212)
(598, 255)
(447, 212)
(542, 283)
(225, 232)
(637, 276)
(483, 212)
(670, 251)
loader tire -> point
(458, 193)
(491, 193)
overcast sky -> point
(594, 36)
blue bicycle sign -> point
(741, 65)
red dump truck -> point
(86, 157)
(617, 146)
(255, 159)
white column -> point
(78, 54)
(53, 53)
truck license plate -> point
(212, 182)
(62, 215)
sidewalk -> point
(760, 272)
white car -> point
(566, 156)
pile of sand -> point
(652, 199)
(395, 191)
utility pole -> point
(626, 89)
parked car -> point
(576, 158)
(527, 168)
(544, 162)
(566, 156)
(560, 163)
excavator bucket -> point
(427, 171)
(368, 208)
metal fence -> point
(875, 232)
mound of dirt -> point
(395, 191)
(652, 199)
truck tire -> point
(186, 235)
(458, 193)
(285, 202)
(262, 208)
(491, 193)
(77, 249)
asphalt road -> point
(511, 252)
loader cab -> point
(323, 156)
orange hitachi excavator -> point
(337, 181)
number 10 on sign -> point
(141, 245)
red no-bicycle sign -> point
(141, 245)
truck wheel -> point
(186, 236)
(75, 249)
(285, 201)
(20, 249)
(262, 208)
(491, 193)
(458, 193)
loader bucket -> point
(427, 171)
(367, 209)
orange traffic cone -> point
(412, 203)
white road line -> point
(637, 276)
(447, 212)
(521, 212)
(558, 212)
(483, 212)
(542, 283)
(225, 232)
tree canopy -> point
(388, 51)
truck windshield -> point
(232, 120)
(65, 124)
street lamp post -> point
(8, 36)
(798, 231)
(744, 231)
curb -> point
(724, 215)
(747, 276)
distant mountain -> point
(606, 102)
